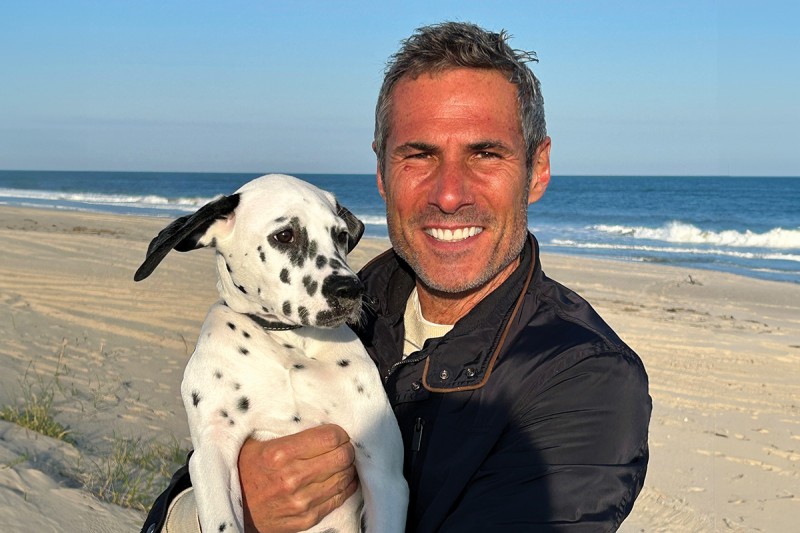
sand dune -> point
(722, 352)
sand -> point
(722, 352)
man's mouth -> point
(453, 235)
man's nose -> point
(451, 189)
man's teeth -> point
(453, 235)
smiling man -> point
(457, 185)
(520, 409)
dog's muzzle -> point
(343, 294)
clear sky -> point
(643, 88)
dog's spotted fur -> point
(274, 356)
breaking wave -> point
(682, 233)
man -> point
(520, 409)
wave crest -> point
(680, 232)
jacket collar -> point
(465, 357)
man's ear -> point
(378, 173)
(380, 183)
(541, 171)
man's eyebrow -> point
(415, 146)
(481, 146)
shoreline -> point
(722, 352)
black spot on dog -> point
(321, 261)
(298, 366)
(243, 350)
(361, 447)
(218, 374)
(335, 263)
(231, 422)
(287, 308)
(360, 388)
(228, 268)
(303, 313)
(244, 291)
(195, 398)
(262, 255)
(310, 285)
(312, 249)
(285, 276)
(232, 326)
(237, 386)
(246, 335)
(223, 413)
(280, 219)
(244, 404)
(343, 362)
(299, 248)
(296, 418)
(289, 346)
(221, 528)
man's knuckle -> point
(298, 506)
(275, 456)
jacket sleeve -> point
(158, 513)
(575, 459)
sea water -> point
(748, 226)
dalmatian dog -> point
(275, 355)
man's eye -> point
(488, 155)
(420, 155)
(284, 237)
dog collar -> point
(270, 325)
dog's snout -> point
(344, 287)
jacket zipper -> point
(413, 358)
(416, 442)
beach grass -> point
(36, 410)
(129, 472)
(134, 472)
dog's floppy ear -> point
(185, 233)
(355, 228)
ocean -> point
(747, 226)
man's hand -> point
(289, 484)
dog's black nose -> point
(344, 287)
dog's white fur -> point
(247, 381)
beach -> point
(722, 352)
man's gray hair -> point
(449, 45)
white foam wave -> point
(680, 232)
(673, 250)
(149, 201)
(372, 220)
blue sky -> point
(641, 88)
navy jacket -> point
(530, 415)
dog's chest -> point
(284, 380)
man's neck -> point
(449, 308)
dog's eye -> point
(342, 237)
(284, 237)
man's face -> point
(455, 177)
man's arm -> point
(288, 484)
(575, 460)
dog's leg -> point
(379, 461)
(213, 468)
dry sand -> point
(722, 352)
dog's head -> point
(281, 251)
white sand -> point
(722, 352)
